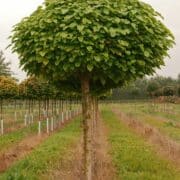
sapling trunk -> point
(1, 109)
(87, 127)
(96, 112)
(39, 109)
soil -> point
(72, 167)
(19, 150)
(103, 168)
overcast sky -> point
(12, 11)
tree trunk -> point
(1, 109)
(87, 127)
(96, 112)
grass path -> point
(165, 125)
(47, 156)
(132, 156)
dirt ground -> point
(104, 169)
(72, 167)
(19, 150)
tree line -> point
(31, 88)
(148, 88)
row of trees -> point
(149, 88)
(30, 88)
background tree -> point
(4, 66)
(8, 90)
(178, 79)
(148, 88)
(152, 87)
(178, 91)
(98, 44)
(168, 91)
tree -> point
(168, 91)
(178, 79)
(4, 66)
(98, 44)
(36, 88)
(178, 91)
(8, 88)
(152, 87)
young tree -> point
(98, 44)
(152, 87)
(8, 90)
(4, 66)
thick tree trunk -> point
(87, 127)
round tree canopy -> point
(8, 87)
(110, 41)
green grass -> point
(46, 156)
(9, 139)
(171, 111)
(168, 128)
(133, 158)
(140, 112)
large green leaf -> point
(90, 67)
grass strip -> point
(11, 138)
(133, 158)
(167, 127)
(46, 156)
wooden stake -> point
(52, 124)
(47, 124)
(39, 128)
(2, 127)
(62, 119)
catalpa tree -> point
(94, 43)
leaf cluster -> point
(111, 42)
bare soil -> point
(19, 150)
(103, 167)
(71, 168)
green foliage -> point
(132, 157)
(148, 88)
(36, 88)
(178, 90)
(4, 66)
(168, 91)
(152, 87)
(111, 42)
(8, 87)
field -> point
(134, 140)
